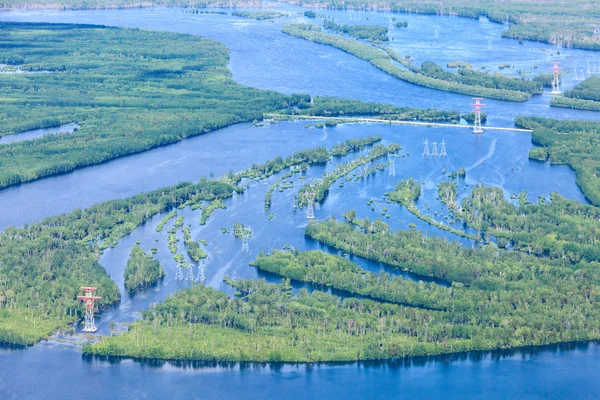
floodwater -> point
(37, 133)
(263, 57)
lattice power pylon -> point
(392, 160)
(426, 148)
(190, 274)
(434, 150)
(246, 235)
(477, 108)
(489, 39)
(556, 81)
(88, 298)
(201, 277)
(443, 148)
(436, 30)
(179, 273)
(310, 204)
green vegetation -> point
(142, 270)
(353, 145)
(310, 14)
(339, 273)
(369, 32)
(126, 88)
(321, 188)
(259, 15)
(332, 107)
(572, 143)
(553, 21)
(559, 228)
(408, 191)
(585, 95)
(499, 299)
(459, 64)
(401, 24)
(448, 192)
(165, 219)
(43, 265)
(469, 83)
(267, 324)
(470, 117)
(207, 210)
(573, 24)
(192, 246)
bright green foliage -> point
(448, 192)
(369, 32)
(43, 265)
(259, 15)
(165, 219)
(589, 89)
(406, 192)
(573, 143)
(207, 210)
(585, 95)
(129, 90)
(321, 188)
(192, 246)
(571, 23)
(382, 61)
(333, 107)
(353, 145)
(142, 270)
(560, 228)
(269, 325)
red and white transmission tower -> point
(89, 299)
(477, 106)
(555, 80)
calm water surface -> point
(261, 56)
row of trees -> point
(572, 143)
(322, 186)
(382, 61)
(368, 32)
(43, 265)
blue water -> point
(37, 133)
(263, 57)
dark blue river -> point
(263, 57)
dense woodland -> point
(467, 82)
(142, 270)
(369, 32)
(585, 95)
(559, 228)
(568, 142)
(572, 24)
(129, 90)
(43, 265)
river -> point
(263, 57)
